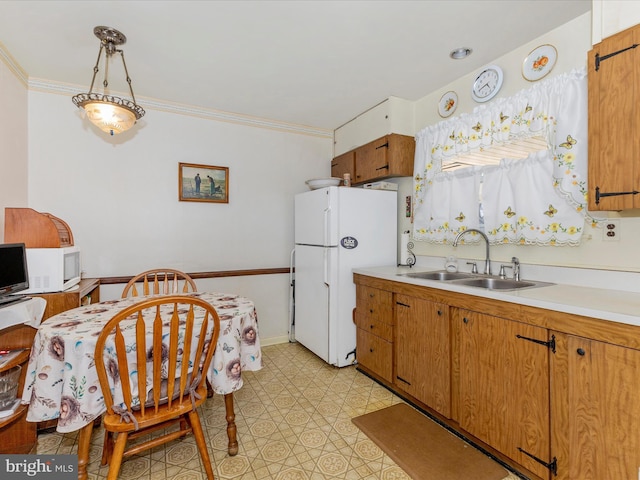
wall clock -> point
(487, 84)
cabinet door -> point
(345, 163)
(371, 160)
(613, 121)
(401, 155)
(596, 410)
(423, 360)
(389, 156)
(504, 387)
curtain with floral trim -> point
(522, 206)
(454, 197)
(555, 109)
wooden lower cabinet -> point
(596, 410)
(16, 434)
(553, 394)
(423, 358)
(504, 387)
(374, 331)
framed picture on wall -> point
(203, 183)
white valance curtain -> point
(537, 200)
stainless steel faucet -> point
(516, 268)
(487, 262)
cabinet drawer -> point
(374, 303)
(375, 354)
(374, 326)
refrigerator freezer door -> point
(316, 217)
(312, 299)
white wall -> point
(13, 137)
(572, 41)
(120, 194)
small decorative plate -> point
(448, 104)
(539, 62)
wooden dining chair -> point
(175, 337)
(160, 281)
(166, 281)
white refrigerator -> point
(337, 229)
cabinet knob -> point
(371, 310)
(580, 351)
(370, 326)
(371, 350)
(439, 312)
(465, 320)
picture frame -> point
(203, 183)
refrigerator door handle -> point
(325, 267)
(326, 213)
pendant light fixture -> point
(109, 113)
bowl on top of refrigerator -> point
(316, 183)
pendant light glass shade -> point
(109, 113)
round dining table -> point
(61, 379)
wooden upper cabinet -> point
(389, 156)
(345, 163)
(614, 143)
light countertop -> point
(613, 305)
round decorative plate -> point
(539, 62)
(448, 104)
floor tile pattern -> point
(294, 423)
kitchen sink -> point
(441, 275)
(477, 280)
(500, 283)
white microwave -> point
(52, 269)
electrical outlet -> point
(611, 230)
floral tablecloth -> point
(61, 379)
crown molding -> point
(13, 65)
(47, 86)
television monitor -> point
(14, 275)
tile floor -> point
(294, 423)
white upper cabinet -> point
(612, 16)
(394, 115)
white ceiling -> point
(314, 63)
